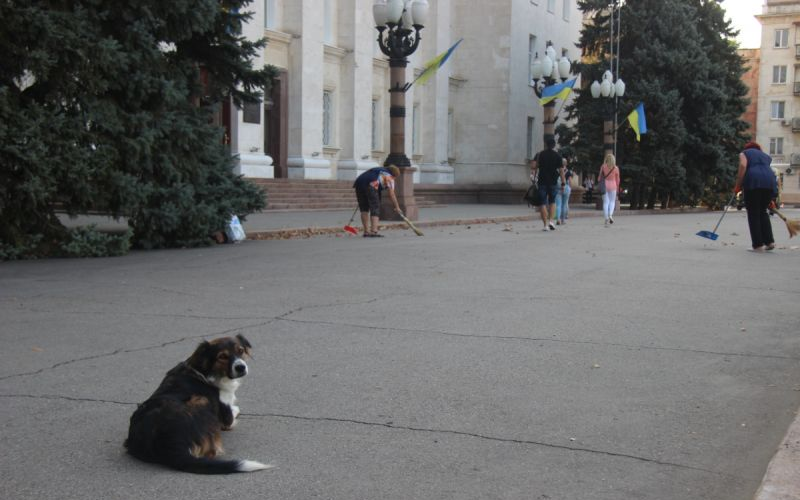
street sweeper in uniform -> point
(369, 187)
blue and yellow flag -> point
(637, 121)
(557, 91)
(434, 64)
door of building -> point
(276, 121)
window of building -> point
(566, 10)
(531, 56)
(451, 134)
(269, 14)
(530, 137)
(328, 20)
(781, 38)
(779, 74)
(376, 124)
(551, 5)
(416, 147)
(776, 145)
(327, 118)
(777, 109)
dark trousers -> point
(756, 201)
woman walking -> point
(756, 178)
(609, 177)
(562, 200)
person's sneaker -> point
(552, 227)
(610, 221)
(558, 223)
(606, 223)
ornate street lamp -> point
(545, 72)
(398, 23)
(608, 90)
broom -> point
(349, 228)
(410, 224)
(793, 225)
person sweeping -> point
(369, 187)
(757, 180)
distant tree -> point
(103, 108)
(678, 57)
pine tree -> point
(102, 108)
(677, 57)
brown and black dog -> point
(180, 424)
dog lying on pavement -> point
(180, 424)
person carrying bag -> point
(532, 194)
(608, 184)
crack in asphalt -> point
(390, 425)
(183, 339)
(333, 304)
(143, 314)
(487, 438)
(127, 351)
(541, 339)
(66, 398)
(195, 316)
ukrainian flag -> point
(435, 63)
(637, 121)
(558, 91)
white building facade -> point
(476, 121)
(778, 118)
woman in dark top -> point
(756, 178)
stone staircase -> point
(308, 194)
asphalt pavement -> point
(484, 360)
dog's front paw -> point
(235, 410)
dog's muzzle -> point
(239, 369)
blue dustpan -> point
(712, 235)
(708, 234)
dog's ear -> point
(200, 359)
(243, 341)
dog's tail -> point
(185, 461)
(202, 465)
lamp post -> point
(398, 23)
(545, 72)
(608, 90)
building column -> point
(356, 33)
(306, 60)
(436, 95)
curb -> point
(308, 232)
(781, 482)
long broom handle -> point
(353, 216)
(727, 206)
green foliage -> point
(676, 56)
(89, 242)
(107, 106)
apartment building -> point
(778, 114)
(752, 60)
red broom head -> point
(351, 229)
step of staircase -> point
(313, 194)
